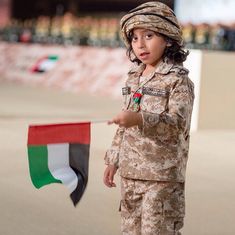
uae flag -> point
(59, 153)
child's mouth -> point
(144, 55)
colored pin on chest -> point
(136, 99)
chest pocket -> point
(154, 100)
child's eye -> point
(134, 39)
(149, 35)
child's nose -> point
(141, 43)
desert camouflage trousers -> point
(151, 207)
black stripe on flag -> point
(79, 162)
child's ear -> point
(169, 44)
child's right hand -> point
(127, 119)
(109, 173)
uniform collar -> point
(163, 67)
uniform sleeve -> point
(112, 154)
(175, 118)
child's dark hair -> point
(174, 52)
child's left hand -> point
(127, 119)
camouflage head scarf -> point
(154, 16)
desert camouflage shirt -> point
(158, 150)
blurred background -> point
(96, 22)
(63, 61)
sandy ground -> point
(24, 210)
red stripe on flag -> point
(59, 133)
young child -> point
(150, 147)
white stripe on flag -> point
(58, 164)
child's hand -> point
(127, 119)
(109, 173)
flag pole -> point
(100, 121)
(95, 121)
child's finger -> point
(107, 183)
(111, 183)
(115, 120)
(110, 122)
(106, 178)
(110, 179)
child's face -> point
(148, 46)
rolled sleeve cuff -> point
(112, 158)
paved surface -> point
(25, 210)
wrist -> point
(115, 166)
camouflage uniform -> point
(152, 159)
(156, 155)
(151, 207)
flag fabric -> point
(44, 64)
(59, 153)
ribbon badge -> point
(136, 99)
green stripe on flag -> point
(38, 166)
